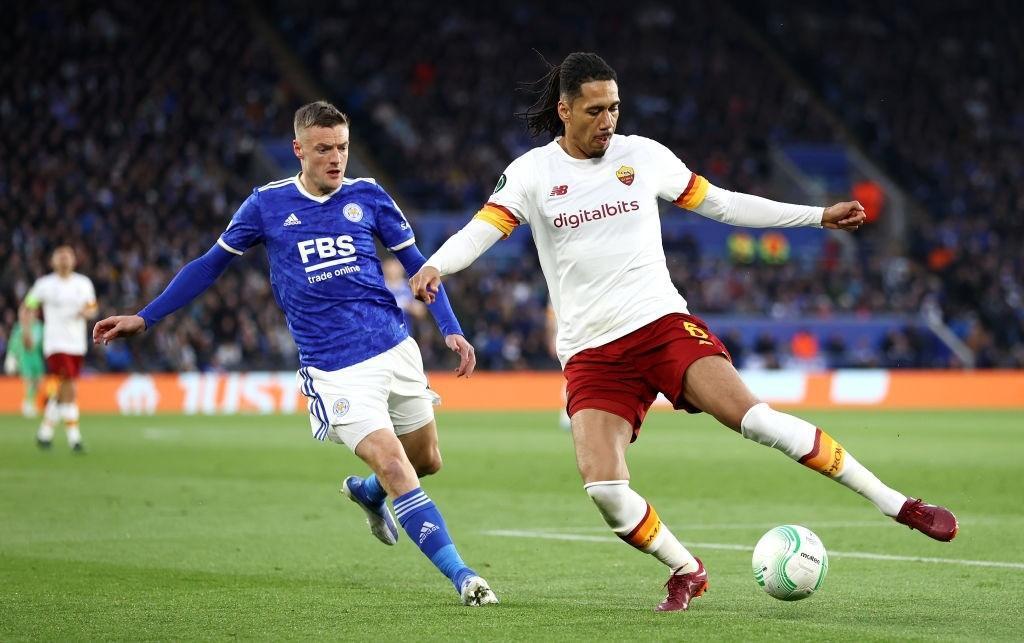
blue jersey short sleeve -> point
(324, 267)
(246, 227)
(390, 225)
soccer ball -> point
(790, 562)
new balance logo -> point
(559, 190)
(292, 220)
(427, 529)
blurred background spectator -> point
(134, 131)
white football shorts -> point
(387, 391)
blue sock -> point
(372, 490)
(425, 526)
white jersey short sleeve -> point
(597, 229)
(513, 198)
(63, 300)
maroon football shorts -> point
(624, 377)
(64, 366)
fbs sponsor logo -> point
(328, 252)
(427, 529)
(603, 211)
(625, 174)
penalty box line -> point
(522, 533)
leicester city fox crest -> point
(353, 212)
(341, 407)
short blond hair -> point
(318, 114)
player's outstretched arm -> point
(457, 253)
(441, 310)
(737, 208)
(191, 280)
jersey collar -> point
(318, 199)
(565, 156)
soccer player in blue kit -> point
(360, 369)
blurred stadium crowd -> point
(132, 132)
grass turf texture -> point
(223, 527)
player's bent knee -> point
(430, 465)
(394, 471)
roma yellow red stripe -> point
(499, 216)
(644, 534)
(694, 193)
(826, 455)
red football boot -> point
(931, 520)
(682, 588)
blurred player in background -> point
(67, 299)
(361, 370)
(624, 331)
(397, 283)
(25, 357)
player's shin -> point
(51, 416)
(69, 413)
(815, 449)
(422, 521)
(635, 521)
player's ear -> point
(297, 148)
(564, 111)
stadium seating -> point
(138, 149)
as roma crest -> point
(625, 174)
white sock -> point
(856, 476)
(69, 413)
(813, 448)
(51, 416)
(636, 522)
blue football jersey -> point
(324, 267)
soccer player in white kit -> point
(67, 299)
(624, 331)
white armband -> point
(464, 247)
(737, 208)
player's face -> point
(63, 260)
(323, 153)
(590, 119)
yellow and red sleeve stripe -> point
(694, 193)
(498, 216)
(826, 455)
(643, 535)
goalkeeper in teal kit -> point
(27, 361)
(360, 370)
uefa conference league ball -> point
(790, 562)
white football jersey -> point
(63, 300)
(598, 233)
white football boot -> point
(476, 592)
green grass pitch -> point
(188, 528)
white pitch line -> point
(515, 533)
(759, 525)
